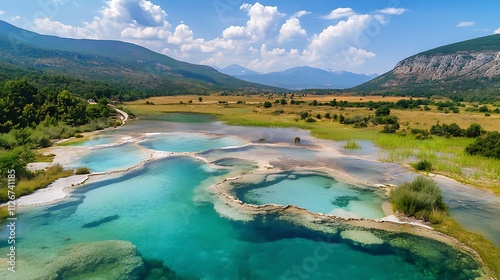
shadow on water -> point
(101, 221)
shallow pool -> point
(315, 192)
(189, 142)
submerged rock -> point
(361, 237)
(99, 260)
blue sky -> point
(269, 35)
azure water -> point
(165, 209)
(162, 210)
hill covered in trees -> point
(124, 66)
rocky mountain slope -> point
(470, 66)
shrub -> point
(357, 120)
(423, 165)
(487, 145)
(268, 104)
(483, 109)
(390, 128)
(474, 130)
(310, 120)
(297, 140)
(421, 198)
(82, 171)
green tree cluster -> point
(24, 105)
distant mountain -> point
(466, 68)
(128, 65)
(299, 78)
(236, 70)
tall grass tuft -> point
(352, 145)
(41, 179)
(421, 198)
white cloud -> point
(331, 38)
(2, 12)
(393, 11)
(301, 14)
(48, 26)
(497, 31)
(263, 20)
(260, 42)
(236, 32)
(355, 57)
(340, 13)
(291, 30)
(181, 34)
(144, 33)
(130, 19)
(465, 24)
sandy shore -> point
(56, 191)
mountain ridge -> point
(115, 62)
(301, 77)
(469, 67)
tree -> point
(268, 104)
(297, 140)
(383, 111)
(474, 131)
(200, 99)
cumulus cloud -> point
(497, 31)
(51, 27)
(263, 20)
(340, 13)
(465, 24)
(291, 30)
(182, 34)
(393, 11)
(2, 12)
(130, 19)
(264, 41)
(332, 37)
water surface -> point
(316, 193)
(162, 209)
